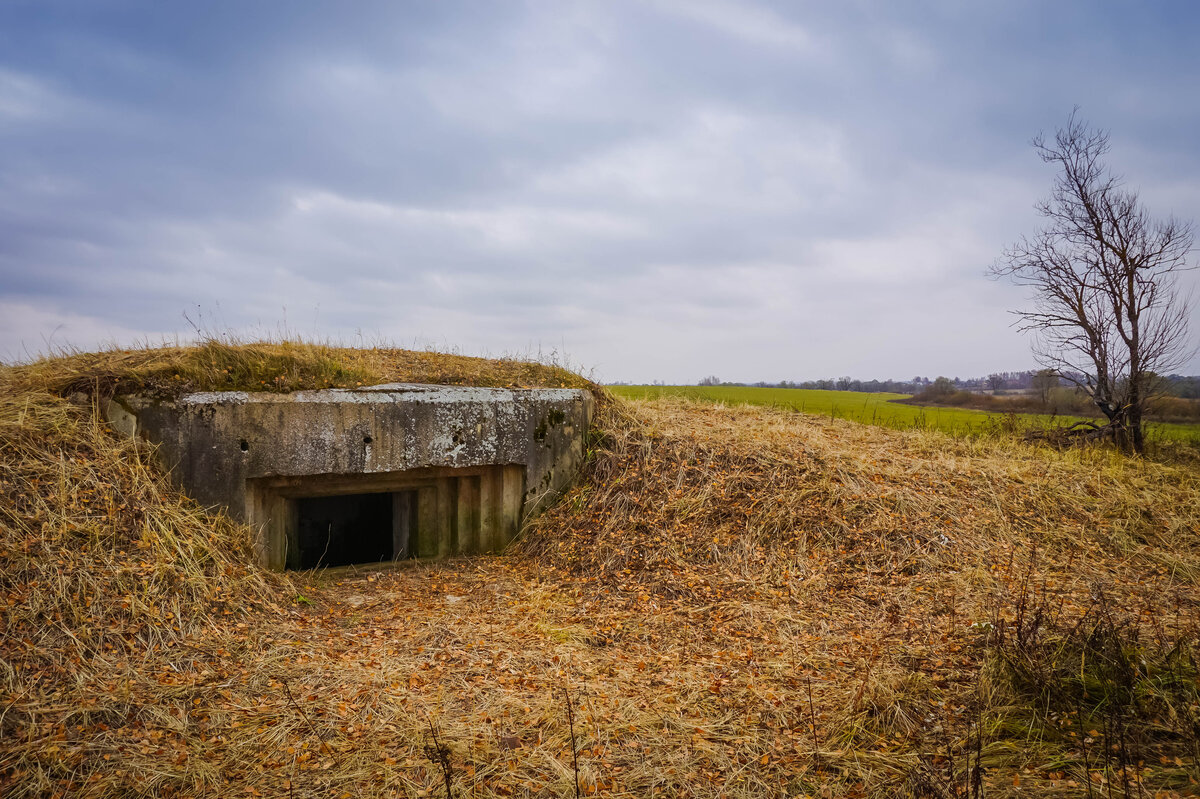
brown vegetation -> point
(734, 602)
(1058, 401)
(227, 365)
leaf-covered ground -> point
(734, 602)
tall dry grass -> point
(902, 549)
(226, 364)
(678, 486)
(739, 602)
(113, 586)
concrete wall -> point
(482, 459)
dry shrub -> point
(1175, 409)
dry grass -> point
(740, 602)
(881, 558)
(114, 586)
(223, 364)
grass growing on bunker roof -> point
(739, 602)
(224, 364)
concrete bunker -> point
(341, 476)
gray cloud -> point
(663, 190)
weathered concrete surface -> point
(479, 459)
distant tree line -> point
(1042, 385)
(1033, 381)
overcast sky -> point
(658, 190)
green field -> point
(880, 409)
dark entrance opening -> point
(317, 521)
(352, 528)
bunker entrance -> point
(354, 528)
(318, 521)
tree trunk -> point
(1119, 430)
(1136, 435)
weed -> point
(1097, 697)
(441, 756)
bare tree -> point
(1108, 314)
(1044, 382)
(941, 387)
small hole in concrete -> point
(245, 445)
(367, 439)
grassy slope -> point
(878, 409)
(270, 366)
(739, 601)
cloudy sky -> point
(658, 190)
